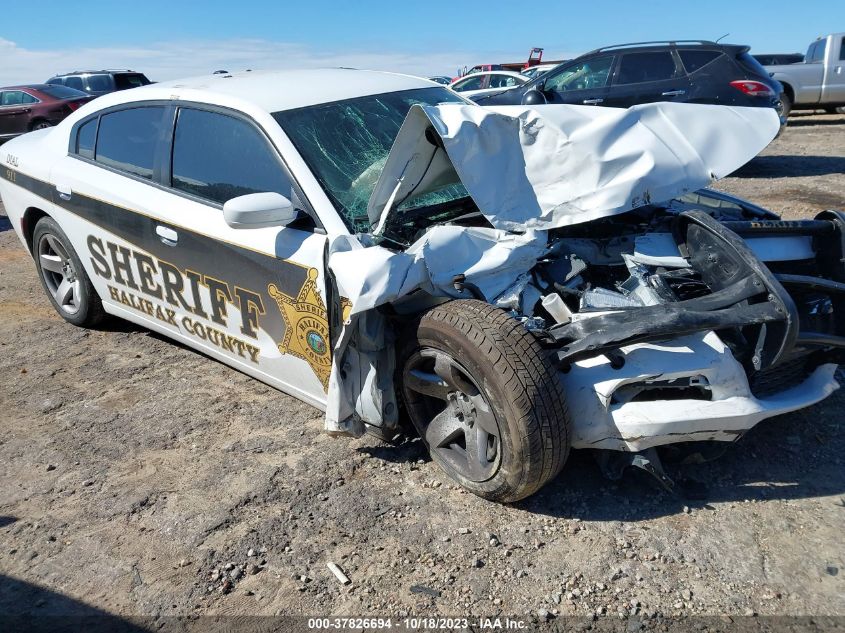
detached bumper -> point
(710, 398)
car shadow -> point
(813, 121)
(793, 456)
(782, 166)
(28, 607)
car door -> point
(14, 113)
(582, 82)
(834, 88)
(160, 253)
(647, 77)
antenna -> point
(723, 37)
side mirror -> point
(259, 210)
(534, 97)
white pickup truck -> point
(818, 81)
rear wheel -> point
(64, 279)
(485, 399)
(785, 106)
(40, 124)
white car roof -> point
(278, 90)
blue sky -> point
(171, 39)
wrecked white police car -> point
(514, 281)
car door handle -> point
(167, 235)
(674, 93)
(592, 101)
(64, 191)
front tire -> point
(62, 276)
(486, 400)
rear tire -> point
(62, 276)
(40, 124)
(786, 106)
(486, 400)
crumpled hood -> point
(550, 166)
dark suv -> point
(624, 75)
(100, 82)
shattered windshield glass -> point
(346, 143)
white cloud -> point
(171, 60)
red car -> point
(27, 108)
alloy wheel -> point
(452, 415)
(59, 274)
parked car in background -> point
(779, 59)
(624, 75)
(33, 107)
(818, 81)
(100, 82)
(536, 71)
(443, 80)
(482, 83)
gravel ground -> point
(138, 477)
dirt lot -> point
(133, 471)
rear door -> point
(15, 108)
(646, 77)
(581, 82)
(160, 253)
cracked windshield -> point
(346, 144)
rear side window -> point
(694, 59)
(56, 81)
(100, 83)
(816, 51)
(473, 83)
(85, 139)
(219, 157)
(125, 81)
(751, 65)
(637, 68)
(63, 92)
(15, 97)
(127, 140)
(74, 82)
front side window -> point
(127, 139)
(346, 143)
(636, 68)
(585, 75)
(220, 157)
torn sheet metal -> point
(550, 166)
(492, 260)
(527, 169)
